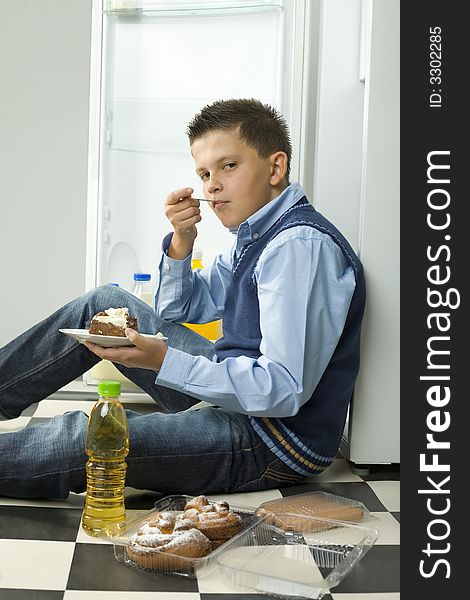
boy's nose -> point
(214, 185)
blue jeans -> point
(207, 450)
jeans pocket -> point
(278, 472)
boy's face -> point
(233, 175)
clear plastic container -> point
(289, 512)
(291, 564)
(304, 558)
(173, 564)
(304, 546)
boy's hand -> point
(146, 354)
(183, 212)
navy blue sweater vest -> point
(308, 441)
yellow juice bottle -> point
(213, 330)
(107, 445)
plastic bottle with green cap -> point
(107, 445)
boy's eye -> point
(229, 165)
(204, 176)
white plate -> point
(107, 341)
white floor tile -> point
(388, 526)
(248, 499)
(388, 492)
(51, 408)
(35, 565)
(13, 424)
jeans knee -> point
(106, 296)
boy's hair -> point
(260, 125)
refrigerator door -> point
(161, 63)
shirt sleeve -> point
(186, 296)
(305, 288)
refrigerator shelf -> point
(138, 8)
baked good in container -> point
(157, 551)
(310, 512)
(215, 520)
(167, 541)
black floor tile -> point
(38, 523)
(95, 568)
(377, 572)
(359, 491)
(396, 515)
(383, 473)
(9, 594)
(141, 499)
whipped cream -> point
(115, 316)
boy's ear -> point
(278, 162)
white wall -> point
(44, 95)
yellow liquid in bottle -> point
(211, 331)
(107, 446)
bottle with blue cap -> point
(142, 287)
(107, 445)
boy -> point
(291, 292)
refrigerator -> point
(158, 63)
(155, 64)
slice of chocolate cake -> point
(112, 322)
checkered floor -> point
(45, 554)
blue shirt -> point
(304, 286)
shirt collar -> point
(257, 225)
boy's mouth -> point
(218, 203)
(211, 201)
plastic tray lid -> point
(290, 513)
(293, 564)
